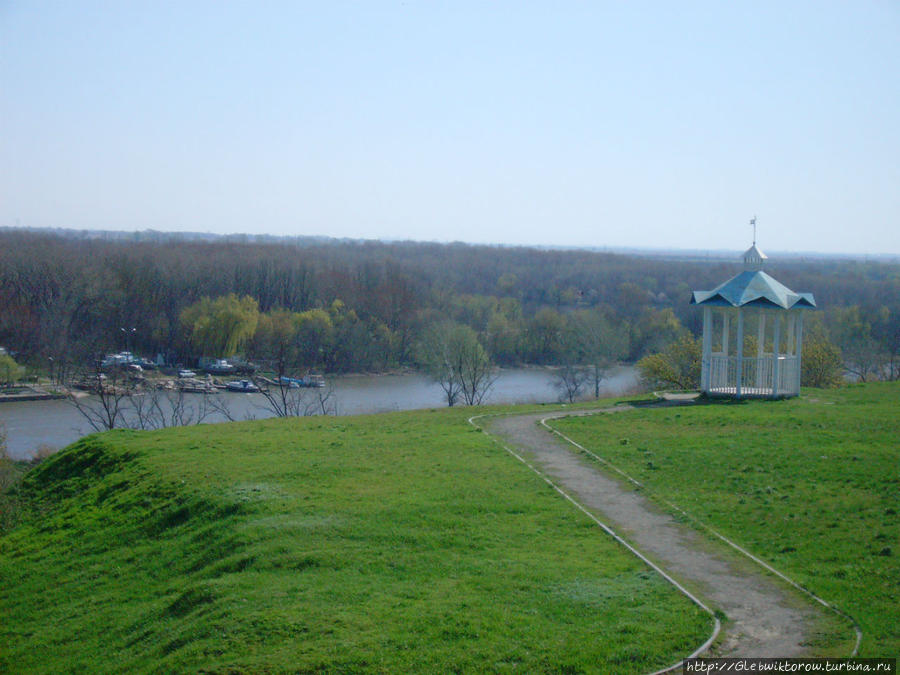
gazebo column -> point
(791, 336)
(739, 352)
(760, 348)
(705, 363)
(722, 379)
(776, 347)
(799, 350)
(725, 333)
(790, 363)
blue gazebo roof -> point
(753, 288)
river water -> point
(32, 424)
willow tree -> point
(222, 326)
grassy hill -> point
(411, 541)
(385, 543)
(811, 485)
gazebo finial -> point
(753, 257)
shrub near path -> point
(404, 542)
(811, 485)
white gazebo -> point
(752, 334)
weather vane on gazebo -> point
(753, 223)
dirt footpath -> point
(764, 619)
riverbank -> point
(30, 394)
(56, 423)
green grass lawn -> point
(391, 543)
(811, 485)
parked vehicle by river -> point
(124, 360)
(220, 367)
(117, 360)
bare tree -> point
(325, 401)
(477, 374)
(454, 358)
(601, 344)
(290, 400)
(281, 399)
(279, 338)
(886, 331)
(111, 393)
(215, 404)
(157, 409)
(118, 398)
(570, 381)
(851, 330)
(141, 410)
(437, 358)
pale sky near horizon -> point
(645, 124)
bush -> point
(10, 371)
(678, 365)
(822, 365)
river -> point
(32, 424)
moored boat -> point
(244, 386)
(307, 381)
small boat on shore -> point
(194, 386)
(298, 382)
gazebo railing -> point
(788, 380)
(757, 375)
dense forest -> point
(352, 306)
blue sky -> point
(649, 124)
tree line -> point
(352, 306)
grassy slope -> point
(812, 485)
(387, 543)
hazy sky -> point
(652, 124)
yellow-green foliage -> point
(10, 371)
(678, 365)
(821, 365)
(222, 326)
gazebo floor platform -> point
(748, 392)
